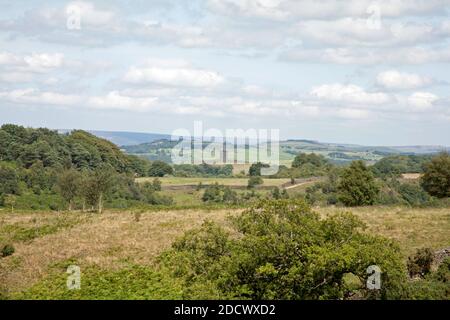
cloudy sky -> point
(354, 71)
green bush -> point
(420, 263)
(130, 283)
(7, 250)
(282, 250)
(254, 181)
(413, 194)
(217, 193)
(434, 286)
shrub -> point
(212, 193)
(280, 249)
(7, 250)
(254, 181)
(413, 194)
(420, 264)
(219, 194)
(159, 169)
(435, 285)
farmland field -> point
(108, 246)
(230, 182)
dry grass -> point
(114, 239)
(411, 176)
(413, 228)
(231, 182)
(109, 241)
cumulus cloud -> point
(36, 97)
(368, 56)
(173, 73)
(422, 101)
(393, 79)
(116, 100)
(348, 93)
(311, 9)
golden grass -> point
(413, 228)
(109, 240)
(237, 182)
(114, 239)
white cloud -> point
(368, 56)
(173, 73)
(422, 101)
(348, 113)
(313, 9)
(43, 62)
(393, 79)
(115, 100)
(37, 97)
(349, 94)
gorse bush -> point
(280, 249)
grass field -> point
(231, 182)
(115, 241)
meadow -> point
(169, 182)
(117, 251)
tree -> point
(357, 186)
(159, 169)
(436, 177)
(9, 181)
(97, 185)
(312, 158)
(10, 201)
(68, 184)
(255, 169)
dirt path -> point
(301, 183)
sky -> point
(347, 71)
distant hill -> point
(123, 138)
(156, 146)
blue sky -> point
(353, 71)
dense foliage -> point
(202, 170)
(159, 169)
(78, 149)
(304, 166)
(357, 186)
(41, 169)
(283, 250)
(436, 177)
(395, 165)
